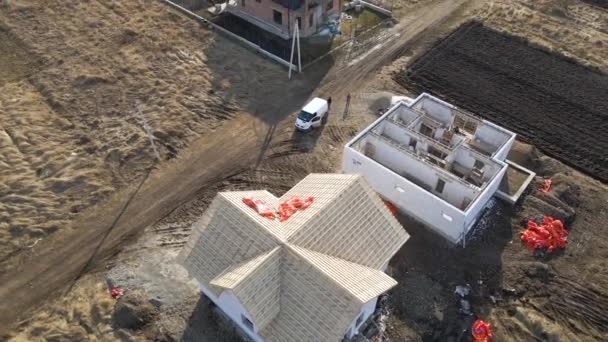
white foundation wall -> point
(366, 311)
(447, 220)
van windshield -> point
(305, 116)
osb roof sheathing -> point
(305, 278)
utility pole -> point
(296, 36)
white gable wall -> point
(231, 306)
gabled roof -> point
(305, 278)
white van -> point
(312, 115)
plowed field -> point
(551, 102)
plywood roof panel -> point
(305, 278)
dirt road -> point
(53, 263)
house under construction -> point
(437, 163)
(313, 277)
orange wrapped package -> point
(289, 207)
(260, 206)
(550, 235)
(481, 331)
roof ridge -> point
(254, 263)
(333, 199)
(389, 282)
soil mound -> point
(133, 311)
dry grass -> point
(83, 315)
(568, 27)
(69, 132)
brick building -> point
(280, 16)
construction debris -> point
(116, 292)
(463, 291)
(546, 186)
(549, 235)
(481, 331)
(390, 207)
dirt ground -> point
(95, 231)
(551, 102)
(559, 297)
(71, 133)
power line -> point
(146, 128)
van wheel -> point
(324, 120)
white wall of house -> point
(467, 158)
(444, 218)
(366, 311)
(491, 135)
(503, 152)
(387, 168)
(481, 202)
(231, 306)
(405, 114)
(402, 163)
(439, 111)
(395, 132)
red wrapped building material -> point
(260, 206)
(481, 331)
(549, 235)
(289, 207)
(546, 186)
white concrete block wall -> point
(407, 196)
(400, 162)
(480, 203)
(405, 114)
(439, 111)
(454, 191)
(491, 134)
(464, 157)
(395, 132)
(503, 152)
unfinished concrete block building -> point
(280, 16)
(435, 162)
(313, 277)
